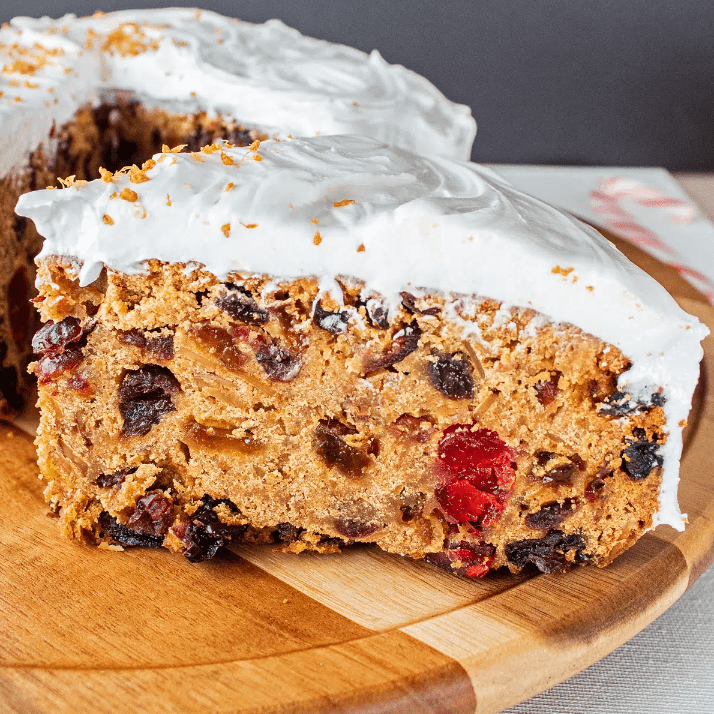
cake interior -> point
(186, 411)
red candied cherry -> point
(478, 472)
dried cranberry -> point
(153, 515)
(161, 347)
(547, 391)
(641, 457)
(337, 453)
(50, 367)
(354, 529)
(478, 474)
(547, 553)
(334, 322)
(451, 373)
(472, 560)
(52, 338)
(114, 480)
(145, 397)
(404, 342)
(239, 303)
(550, 515)
(121, 534)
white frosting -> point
(265, 76)
(425, 223)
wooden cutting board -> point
(90, 630)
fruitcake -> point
(325, 341)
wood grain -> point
(261, 632)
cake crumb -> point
(557, 270)
(227, 159)
(315, 220)
(230, 186)
(108, 220)
(226, 228)
(317, 238)
(249, 225)
(128, 195)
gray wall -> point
(619, 82)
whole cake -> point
(77, 94)
(322, 341)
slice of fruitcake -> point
(315, 342)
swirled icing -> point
(397, 221)
(266, 76)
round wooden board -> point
(89, 630)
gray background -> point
(608, 82)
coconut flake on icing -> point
(414, 223)
(267, 76)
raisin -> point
(144, 398)
(622, 404)
(547, 553)
(114, 480)
(547, 391)
(472, 560)
(334, 322)
(121, 534)
(153, 515)
(205, 535)
(543, 457)
(239, 303)
(404, 342)
(578, 461)
(52, 338)
(354, 529)
(50, 367)
(375, 311)
(451, 374)
(550, 515)
(160, 347)
(409, 304)
(336, 453)
(594, 489)
(287, 533)
(478, 472)
(641, 457)
(279, 364)
(560, 475)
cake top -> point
(266, 76)
(351, 206)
